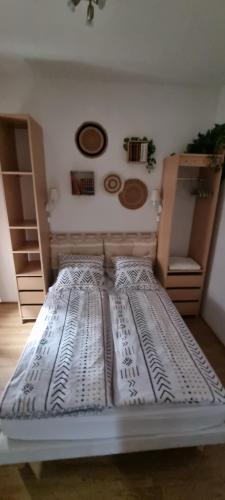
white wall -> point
(171, 115)
(214, 300)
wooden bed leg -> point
(35, 468)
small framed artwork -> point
(82, 183)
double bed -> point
(109, 370)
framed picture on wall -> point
(82, 182)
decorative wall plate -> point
(134, 194)
(91, 139)
(112, 183)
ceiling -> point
(166, 41)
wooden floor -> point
(186, 474)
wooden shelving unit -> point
(185, 287)
(16, 173)
(24, 183)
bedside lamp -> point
(156, 202)
(53, 196)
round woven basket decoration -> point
(112, 183)
(91, 139)
(134, 194)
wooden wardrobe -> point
(23, 174)
(185, 287)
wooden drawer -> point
(31, 283)
(31, 297)
(30, 312)
(184, 280)
(184, 293)
(187, 308)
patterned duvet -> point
(156, 357)
(66, 365)
(87, 345)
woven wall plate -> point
(91, 139)
(112, 183)
(134, 194)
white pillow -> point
(134, 272)
(80, 271)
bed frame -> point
(16, 451)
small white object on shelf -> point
(183, 264)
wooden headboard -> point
(110, 244)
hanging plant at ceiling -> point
(140, 150)
(210, 143)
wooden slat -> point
(15, 172)
(24, 224)
(195, 160)
(183, 281)
(31, 297)
(184, 293)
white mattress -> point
(116, 423)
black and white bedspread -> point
(156, 357)
(91, 349)
(66, 365)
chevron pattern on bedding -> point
(71, 260)
(136, 272)
(80, 276)
(66, 365)
(156, 357)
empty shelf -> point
(32, 268)
(28, 247)
(183, 265)
(25, 224)
(16, 172)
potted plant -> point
(211, 143)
